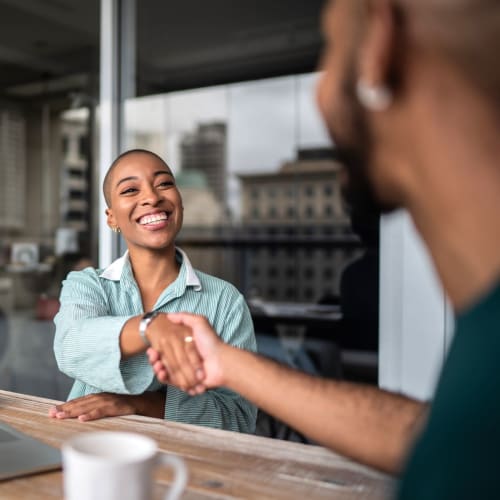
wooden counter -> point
(222, 464)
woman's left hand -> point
(105, 404)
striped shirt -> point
(95, 305)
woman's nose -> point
(151, 197)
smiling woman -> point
(143, 202)
(109, 317)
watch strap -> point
(143, 325)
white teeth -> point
(153, 219)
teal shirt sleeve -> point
(220, 408)
(86, 342)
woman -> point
(102, 331)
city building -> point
(202, 209)
(74, 187)
(300, 208)
(13, 169)
(205, 150)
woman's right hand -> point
(209, 349)
(175, 348)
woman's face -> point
(144, 202)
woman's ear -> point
(110, 218)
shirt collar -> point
(191, 276)
(114, 270)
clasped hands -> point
(175, 353)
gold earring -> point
(115, 229)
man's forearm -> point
(369, 425)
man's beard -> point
(353, 149)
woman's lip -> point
(149, 214)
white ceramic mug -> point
(116, 466)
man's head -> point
(424, 52)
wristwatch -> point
(144, 323)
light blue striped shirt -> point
(95, 304)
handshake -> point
(185, 352)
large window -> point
(227, 97)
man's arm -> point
(369, 425)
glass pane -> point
(48, 81)
(229, 102)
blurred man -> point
(411, 89)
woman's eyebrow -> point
(125, 179)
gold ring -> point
(188, 339)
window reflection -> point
(253, 178)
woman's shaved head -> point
(106, 185)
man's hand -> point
(95, 406)
(173, 343)
(208, 345)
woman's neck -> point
(153, 271)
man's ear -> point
(377, 47)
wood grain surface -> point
(222, 464)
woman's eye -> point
(166, 184)
(129, 190)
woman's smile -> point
(154, 221)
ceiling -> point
(51, 47)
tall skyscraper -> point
(205, 150)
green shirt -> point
(458, 454)
(95, 304)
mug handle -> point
(180, 475)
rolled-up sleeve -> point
(86, 342)
(220, 408)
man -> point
(411, 88)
